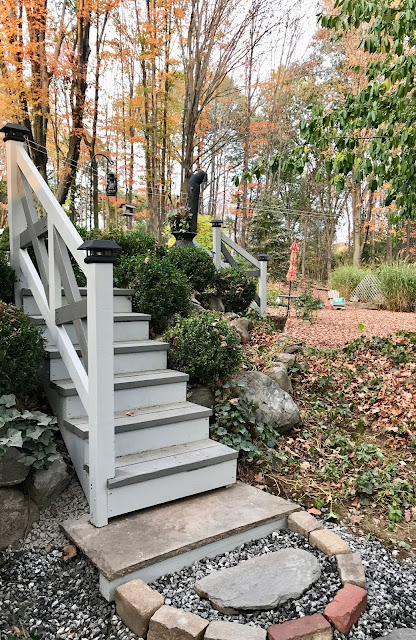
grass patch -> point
(398, 284)
(345, 278)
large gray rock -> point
(196, 307)
(11, 470)
(400, 634)
(44, 485)
(280, 376)
(242, 330)
(202, 395)
(275, 406)
(288, 359)
(261, 583)
(214, 303)
(18, 513)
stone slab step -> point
(129, 356)
(157, 416)
(151, 428)
(164, 539)
(149, 465)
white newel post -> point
(216, 242)
(263, 258)
(100, 259)
(14, 137)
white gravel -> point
(50, 599)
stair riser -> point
(153, 492)
(122, 304)
(127, 399)
(123, 332)
(167, 435)
(123, 363)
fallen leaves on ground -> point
(68, 552)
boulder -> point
(231, 315)
(214, 303)
(11, 470)
(275, 406)
(280, 376)
(18, 513)
(261, 583)
(196, 307)
(201, 395)
(241, 329)
(294, 348)
(287, 359)
(44, 485)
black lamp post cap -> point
(216, 223)
(263, 257)
(103, 251)
(14, 131)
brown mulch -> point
(334, 328)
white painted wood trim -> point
(216, 246)
(240, 250)
(263, 287)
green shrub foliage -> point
(7, 279)
(159, 289)
(132, 243)
(196, 264)
(235, 289)
(21, 350)
(30, 431)
(205, 347)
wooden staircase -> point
(162, 446)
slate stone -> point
(11, 470)
(261, 583)
(18, 513)
(280, 376)
(44, 485)
(400, 634)
(275, 407)
(288, 359)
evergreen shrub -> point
(196, 264)
(235, 289)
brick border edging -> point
(143, 609)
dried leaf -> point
(68, 552)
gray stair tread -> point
(123, 316)
(144, 418)
(150, 465)
(127, 380)
(141, 539)
(83, 292)
(131, 346)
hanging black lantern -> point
(111, 188)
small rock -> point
(294, 348)
(169, 623)
(201, 395)
(313, 627)
(136, 603)
(275, 407)
(18, 513)
(246, 322)
(400, 634)
(231, 315)
(346, 608)
(233, 631)
(241, 330)
(303, 523)
(196, 307)
(288, 359)
(351, 570)
(44, 485)
(261, 583)
(328, 542)
(11, 470)
(280, 376)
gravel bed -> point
(50, 599)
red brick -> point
(346, 608)
(308, 628)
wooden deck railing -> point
(53, 241)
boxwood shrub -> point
(7, 279)
(235, 289)
(159, 289)
(205, 347)
(196, 264)
(21, 350)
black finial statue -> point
(194, 189)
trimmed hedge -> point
(196, 264)
(235, 289)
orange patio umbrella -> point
(291, 274)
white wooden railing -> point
(222, 256)
(53, 240)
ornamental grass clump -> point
(398, 285)
(345, 278)
(21, 351)
(205, 347)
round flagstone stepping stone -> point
(400, 634)
(263, 582)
